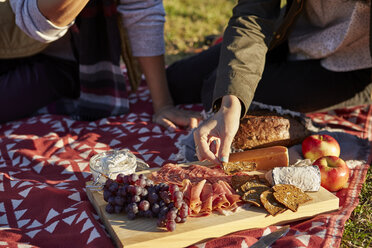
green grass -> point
(188, 24)
(358, 228)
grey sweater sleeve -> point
(143, 19)
(144, 22)
(30, 20)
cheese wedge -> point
(306, 178)
(263, 158)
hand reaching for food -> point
(219, 130)
(172, 117)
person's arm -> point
(61, 12)
(242, 59)
(244, 47)
(165, 113)
(220, 129)
(45, 20)
(154, 70)
(144, 23)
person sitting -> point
(301, 55)
(63, 57)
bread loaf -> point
(263, 129)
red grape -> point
(139, 196)
(119, 200)
(177, 195)
(155, 208)
(133, 178)
(118, 209)
(106, 195)
(171, 215)
(144, 205)
(109, 208)
(136, 198)
(120, 178)
(171, 225)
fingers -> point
(214, 145)
(177, 117)
(202, 148)
(224, 151)
(165, 123)
(194, 122)
(203, 153)
(186, 118)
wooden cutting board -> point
(143, 232)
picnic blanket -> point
(44, 165)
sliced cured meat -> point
(207, 199)
(195, 201)
(167, 174)
(227, 188)
(186, 190)
(219, 197)
(205, 189)
(231, 196)
(173, 173)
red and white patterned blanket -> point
(44, 165)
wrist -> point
(231, 102)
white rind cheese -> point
(306, 178)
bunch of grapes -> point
(138, 196)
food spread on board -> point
(176, 192)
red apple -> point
(334, 172)
(320, 145)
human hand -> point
(213, 137)
(170, 117)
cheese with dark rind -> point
(263, 158)
(306, 178)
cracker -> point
(290, 196)
(239, 180)
(270, 204)
(254, 183)
(253, 196)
